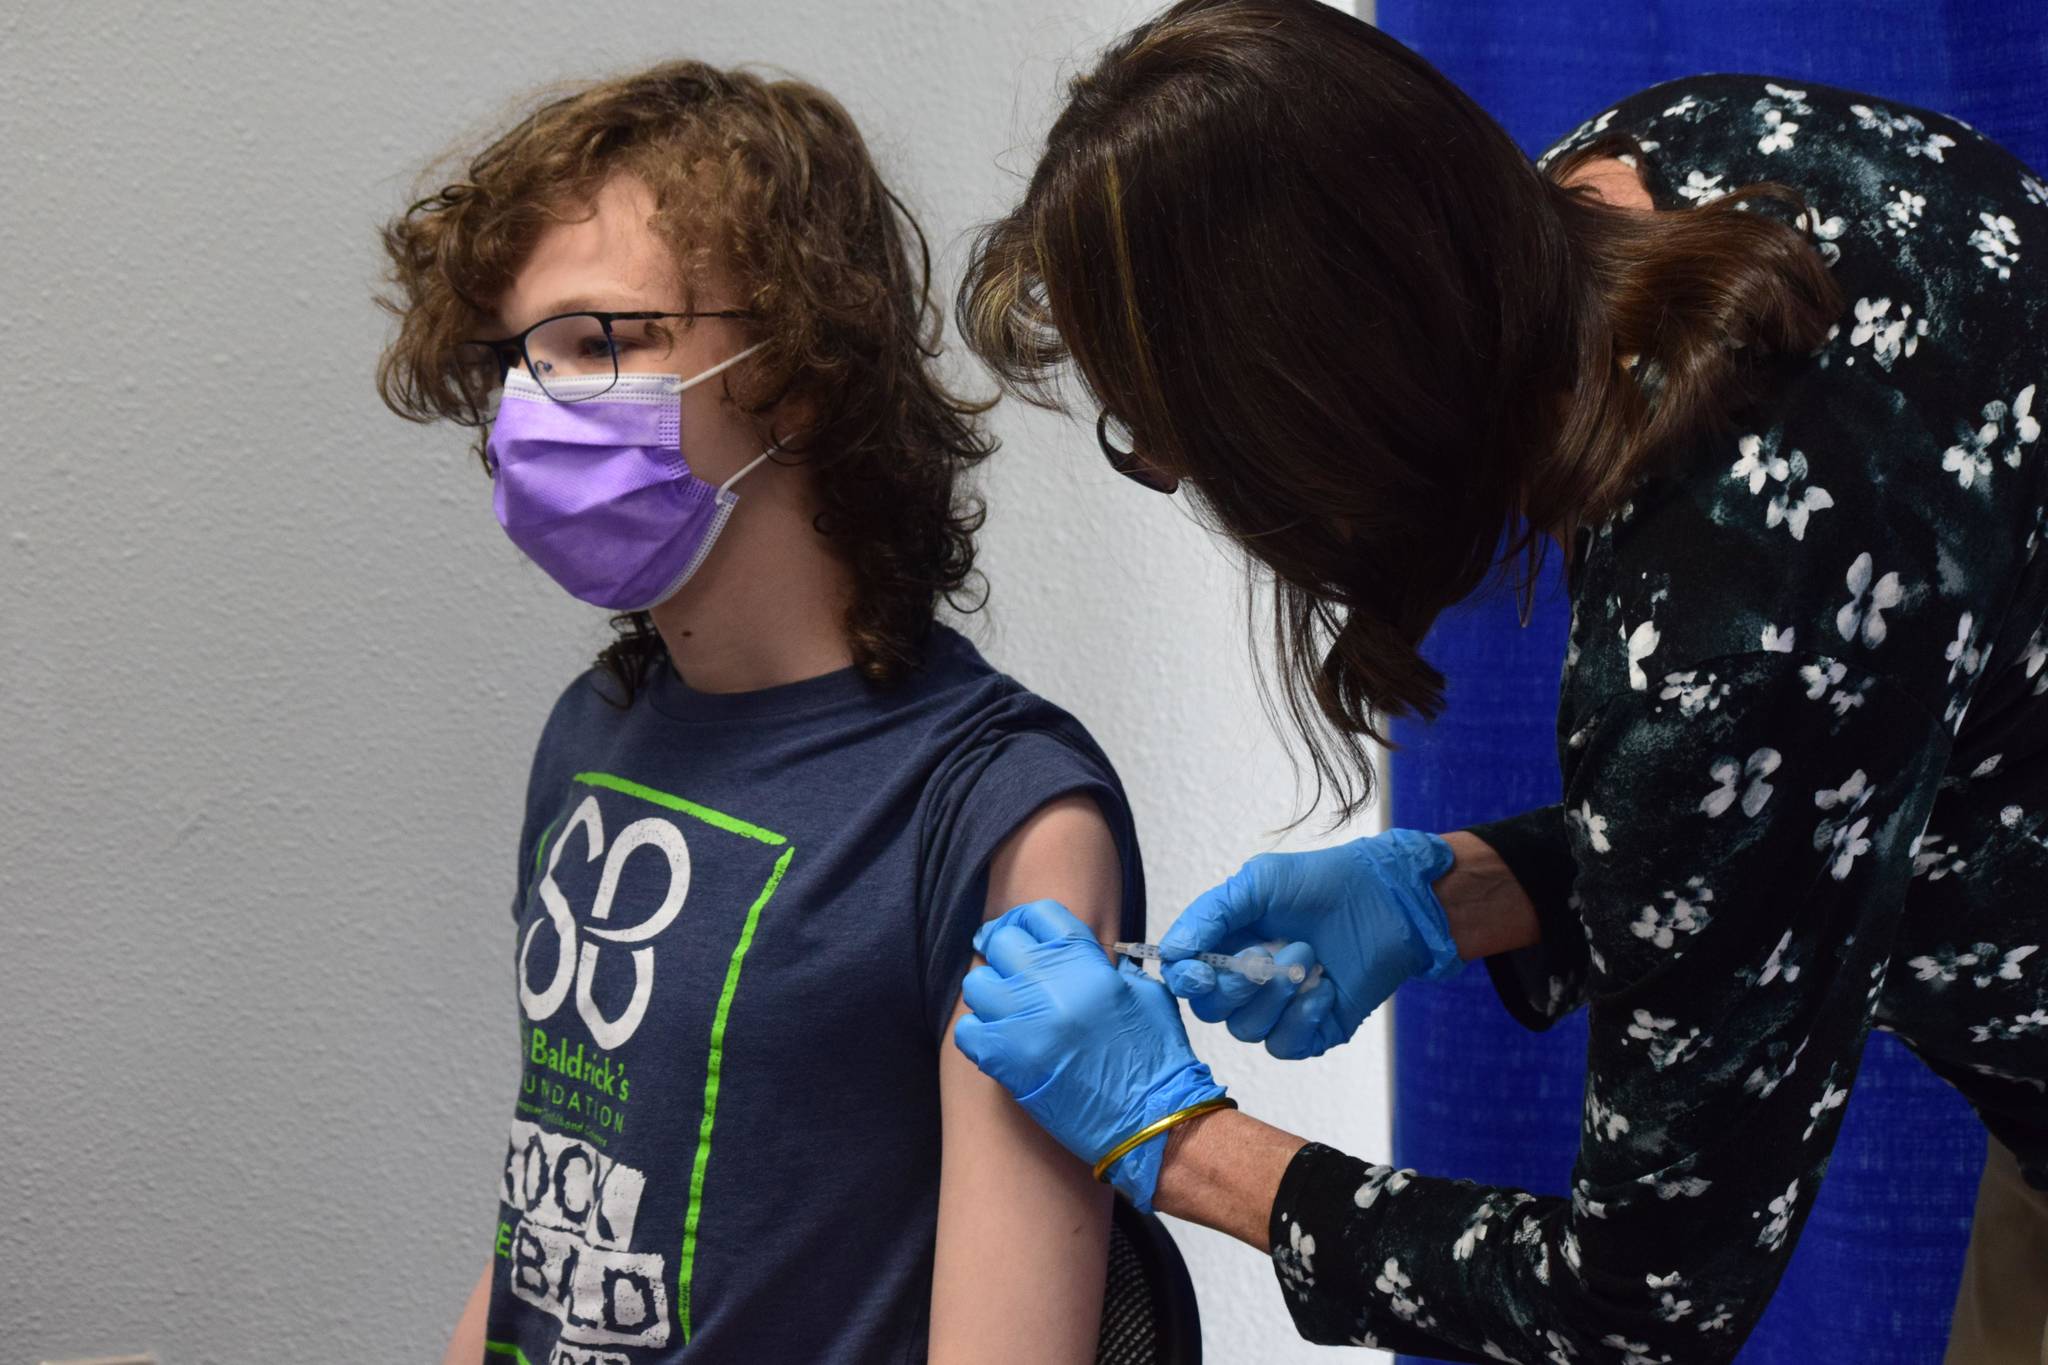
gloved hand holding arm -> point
(1368, 910)
(1093, 1052)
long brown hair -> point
(770, 179)
(1311, 276)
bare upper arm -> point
(1023, 1227)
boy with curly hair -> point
(682, 313)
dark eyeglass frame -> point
(512, 350)
(1127, 463)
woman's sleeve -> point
(1743, 855)
(1542, 983)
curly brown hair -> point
(769, 179)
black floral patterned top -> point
(1805, 749)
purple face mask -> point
(598, 493)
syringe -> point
(1250, 964)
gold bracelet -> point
(1153, 1130)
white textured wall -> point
(270, 675)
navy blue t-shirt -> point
(742, 924)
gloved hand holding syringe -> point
(1253, 964)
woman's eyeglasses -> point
(1127, 463)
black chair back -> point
(1149, 1314)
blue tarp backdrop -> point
(1873, 1279)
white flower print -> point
(1868, 601)
(1494, 1352)
(1594, 825)
(1825, 231)
(1775, 966)
(1970, 459)
(1830, 1098)
(1773, 1235)
(1930, 146)
(1691, 1187)
(1292, 1261)
(1529, 1234)
(2036, 655)
(1582, 134)
(1693, 696)
(1778, 131)
(1642, 643)
(1475, 1227)
(1793, 100)
(1946, 965)
(1671, 1308)
(1889, 337)
(1842, 838)
(1601, 1121)
(1687, 914)
(2035, 189)
(1727, 773)
(1880, 120)
(1395, 1285)
(1843, 842)
(2004, 1031)
(1633, 1352)
(1701, 189)
(1766, 1078)
(1961, 653)
(1919, 142)
(1665, 1047)
(1821, 676)
(1759, 464)
(1795, 511)
(1595, 126)
(1903, 214)
(1933, 860)
(1561, 1352)
(1687, 104)
(1777, 641)
(1719, 1321)
(1852, 795)
(1848, 698)
(1378, 1180)
(1820, 352)
(1996, 243)
(1941, 966)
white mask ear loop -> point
(720, 368)
(750, 467)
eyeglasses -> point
(1127, 463)
(572, 346)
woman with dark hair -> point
(1760, 358)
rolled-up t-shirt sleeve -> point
(981, 796)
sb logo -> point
(577, 946)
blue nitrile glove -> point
(1366, 911)
(1093, 1052)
